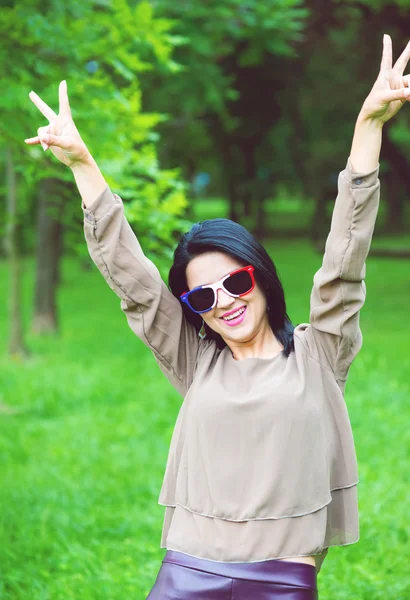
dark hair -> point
(224, 235)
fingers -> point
(42, 106)
(47, 139)
(55, 140)
(38, 139)
(63, 99)
(387, 57)
(401, 94)
(41, 132)
(35, 141)
(403, 59)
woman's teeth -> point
(234, 315)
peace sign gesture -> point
(61, 135)
(391, 89)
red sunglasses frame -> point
(219, 285)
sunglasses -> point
(236, 284)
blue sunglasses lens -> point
(201, 299)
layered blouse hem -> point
(336, 524)
(196, 512)
(272, 557)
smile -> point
(237, 319)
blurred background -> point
(221, 108)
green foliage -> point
(222, 38)
(273, 85)
(158, 202)
(85, 428)
(400, 132)
(101, 49)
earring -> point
(202, 332)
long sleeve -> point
(153, 313)
(339, 290)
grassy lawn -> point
(85, 427)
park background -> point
(235, 108)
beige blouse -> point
(262, 461)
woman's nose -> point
(224, 299)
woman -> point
(261, 477)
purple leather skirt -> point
(185, 577)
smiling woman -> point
(255, 337)
(212, 251)
(261, 477)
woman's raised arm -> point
(339, 290)
(334, 337)
(152, 311)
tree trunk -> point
(233, 198)
(17, 347)
(399, 187)
(319, 224)
(49, 251)
(260, 225)
(395, 205)
(248, 152)
(232, 181)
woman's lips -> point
(236, 321)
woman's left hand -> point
(391, 89)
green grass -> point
(85, 426)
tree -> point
(224, 102)
(270, 93)
(52, 199)
(17, 347)
(100, 49)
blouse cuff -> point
(361, 179)
(100, 206)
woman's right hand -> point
(61, 135)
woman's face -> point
(211, 267)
